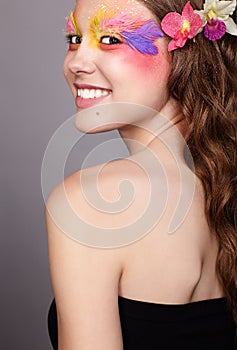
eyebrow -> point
(71, 25)
(138, 34)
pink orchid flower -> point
(181, 27)
(216, 18)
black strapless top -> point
(202, 325)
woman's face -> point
(117, 53)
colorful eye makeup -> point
(137, 34)
(71, 25)
(73, 36)
(108, 28)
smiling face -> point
(117, 53)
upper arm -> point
(85, 282)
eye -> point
(110, 40)
(74, 39)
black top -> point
(202, 325)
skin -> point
(87, 280)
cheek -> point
(145, 66)
(140, 63)
(140, 73)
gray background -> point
(34, 102)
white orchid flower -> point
(221, 11)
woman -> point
(161, 291)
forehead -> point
(87, 9)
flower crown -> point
(214, 20)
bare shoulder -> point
(109, 195)
(80, 207)
(97, 202)
(116, 193)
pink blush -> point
(140, 61)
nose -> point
(82, 60)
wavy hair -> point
(204, 81)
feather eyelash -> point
(71, 25)
(137, 34)
(143, 38)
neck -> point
(167, 127)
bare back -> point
(158, 267)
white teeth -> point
(98, 93)
(91, 93)
(86, 93)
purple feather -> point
(143, 38)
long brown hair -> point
(204, 81)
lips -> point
(88, 95)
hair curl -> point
(204, 81)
